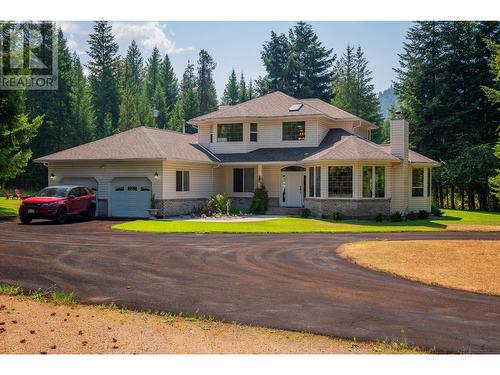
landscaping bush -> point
(305, 213)
(411, 216)
(396, 216)
(422, 215)
(219, 204)
(260, 201)
(379, 217)
(337, 216)
(435, 210)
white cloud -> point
(73, 31)
(147, 35)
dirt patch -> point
(33, 327)
(469, 265)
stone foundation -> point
(349, 208)
(175, 207)
(245, 203)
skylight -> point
(295, 107)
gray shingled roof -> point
(413, 156)
(137, 143)
(338, 144)
(277, 104)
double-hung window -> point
(181, 180)
(340, 182)
(373, 182)
(417, 182)
(243, 180)
(253, 132)
(229, 132)
(315, 182)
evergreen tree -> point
(169, 84)
(153, 97)
(187, 106)
(207, 95)
(129, 114)
(275, 56)
(82, 120)
(309, 64)
(16, 130)
(131, 88)
(251, 92)
(242, 90)
(231, 90)
(103, 72)
(133, 69)
(352, 87)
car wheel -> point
(90, 214)
(61, 216)
(25, 219)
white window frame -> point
(183, 180)
(374, 181)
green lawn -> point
(9, 207)
(454, 220)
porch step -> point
(291, 211)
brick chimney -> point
(399, 137)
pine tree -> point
(153, 97)
(16, 130)
(187, 106)
(82, 121)
(242, 90)
(309, 64)
(352, 87)
(275, 56)
(231, 90)
(169, 84)
(129, 114)
(103, 72)
(207, 95)
(133, 69)
(251, 92)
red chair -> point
(20, 195)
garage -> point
(130, 196)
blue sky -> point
(238, 44)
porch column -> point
(259, 175)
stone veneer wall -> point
(350, 208)
(244, 203)
(174, 207)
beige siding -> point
(271, 177)
(204, 135)
(418, 203)
(200, 180)
(104, 172)
(399, 138)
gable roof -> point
(277, 104)
(338, 144)
(135, 144)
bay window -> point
(340, 182)
(373, 182)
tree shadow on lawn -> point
(430, 223)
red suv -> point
(57, 203)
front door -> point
(292, 189)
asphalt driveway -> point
(289, 281)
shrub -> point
(337, 216)
(379, 217)
(305, 213)
(396, 216)
(411, 216)
(435, 210)
(260, 201)
(422, 215)
(219, 204)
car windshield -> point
(59, 192)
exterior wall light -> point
(157, 176)
(52, 177)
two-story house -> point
(306, 152)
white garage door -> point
(81, 181)
(130, 197)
